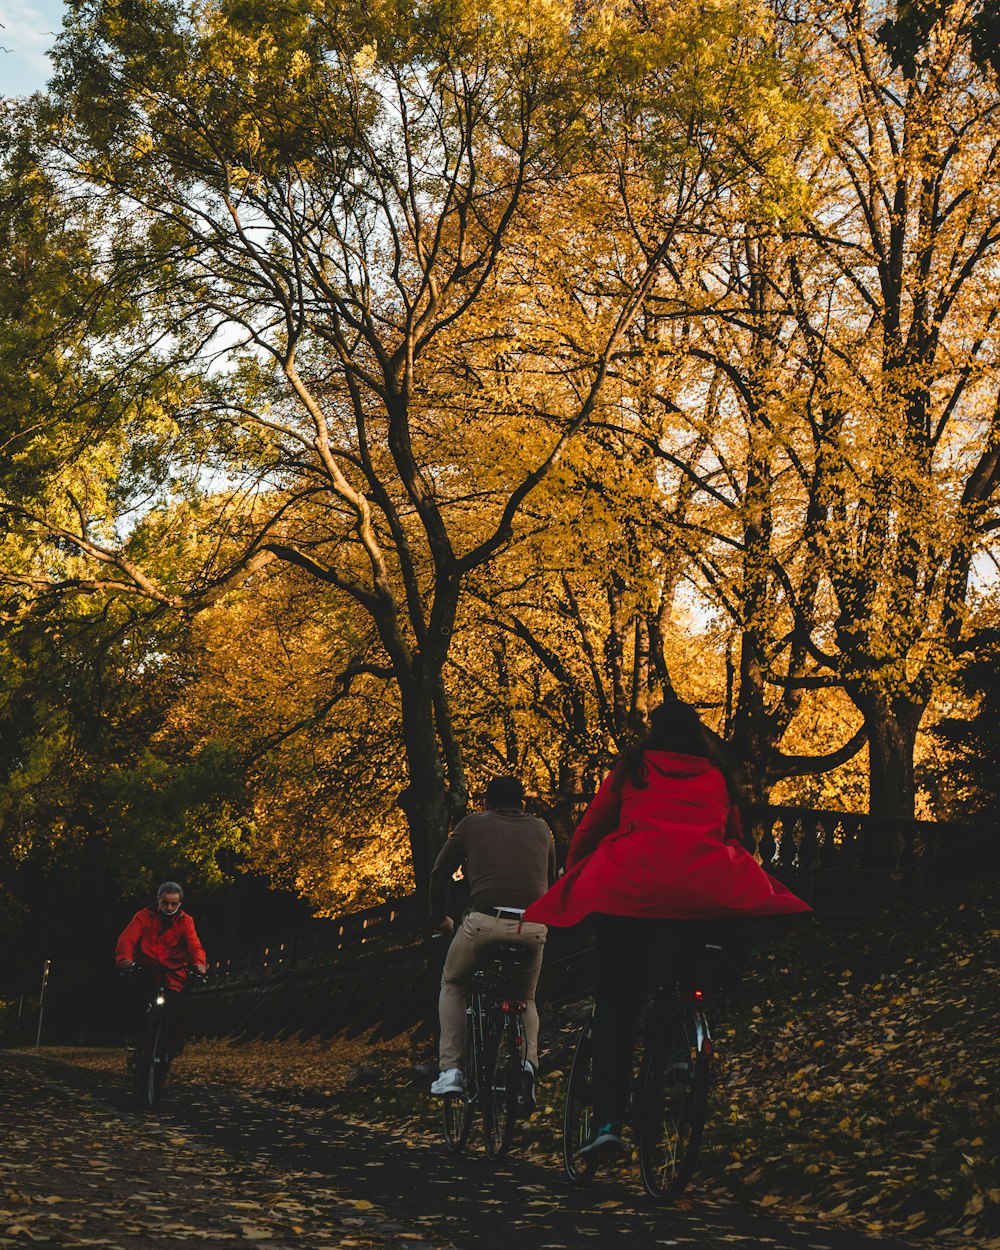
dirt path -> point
(77, 1167)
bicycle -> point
(494, 1067)
(669, 1102)
(151, 1061)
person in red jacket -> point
(659, 847)
(162, 939)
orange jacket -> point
(150, 937)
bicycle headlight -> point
(160, 1000)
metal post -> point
(41, 1001)
(20, 1011)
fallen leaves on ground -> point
(861, 1085)
(73, 1173)
(853, 1082)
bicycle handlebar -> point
(161, 970)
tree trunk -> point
(641, 692)
(891, 726)
(425, 799)
(752, 743)
(565, 812)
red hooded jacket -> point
(671, 850)
(150, 937)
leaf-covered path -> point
(78, 1168)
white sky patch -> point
(27, 31)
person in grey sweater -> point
(508, 859)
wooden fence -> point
(323, 940)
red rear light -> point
(513, 1006)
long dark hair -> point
(673, 726)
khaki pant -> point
(479, 930)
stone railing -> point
(837, 861)
(847, 860)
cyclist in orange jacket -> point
(161, 938)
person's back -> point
(662, 839)
(679, 789)
(507, 857)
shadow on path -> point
(417, 1192)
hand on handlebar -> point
(446, 926)
(127, 965)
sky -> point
(27, 31)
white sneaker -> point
(451, 1081)
(526, 1095)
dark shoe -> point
(604, 1143)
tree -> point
(843, 433)
(319, 757)
(907, 407)
(965, 760)
(380, 228)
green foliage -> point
(85, 693)
(171, 817)
(46, 310)
(963, 771)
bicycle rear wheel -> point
(673, 1100)
(457, 1116)
(578, 1109)
(500, 1090)
(458, 1109)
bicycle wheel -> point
(673, 1098)
(501, 1086)
(458, 1108)
(151, 1065)
(578, 1109)
(457, 1117)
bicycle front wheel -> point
(578, 1109)
(673, 1099)
(151, 1066)
(500, 1091)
